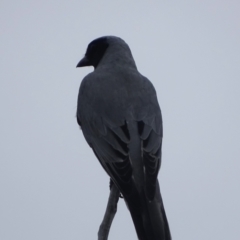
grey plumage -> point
(121, 120)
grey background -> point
(51, 185)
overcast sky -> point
(51, 184)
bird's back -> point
(117, 95)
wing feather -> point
(151, 136)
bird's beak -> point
(84, 62)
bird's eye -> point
(92, 48)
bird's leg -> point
(110, 212)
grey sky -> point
(52, 186)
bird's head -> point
(116, 49)
(95, 52)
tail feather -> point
(149, 217)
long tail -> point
(149, 217)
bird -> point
(121, 120)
